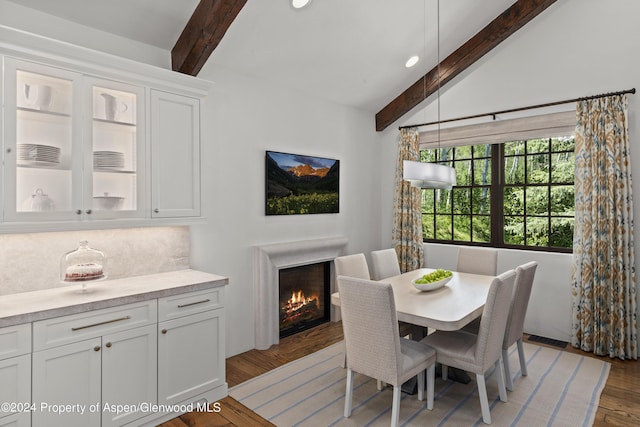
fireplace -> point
(304, 297)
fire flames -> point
(298, 302)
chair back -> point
(370, 326)
(519, 302)
(384, 263)
(494, 320)
(352, 266)
(477, 261)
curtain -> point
(407, 213)
(603, 276)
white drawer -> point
(189, 303)
(76, 327)
(15, 340)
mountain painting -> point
(298, 184)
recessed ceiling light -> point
(299, 4)
(412, 61)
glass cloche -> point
(82, 265)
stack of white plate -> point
(108, 160)
(38, 155)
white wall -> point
(244, 118)
(574, 48)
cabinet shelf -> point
(114, 122)
(116, 171)
(43, 165)
(43, 112)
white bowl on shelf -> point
(107, 203)
(431, 286)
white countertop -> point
(39, 305)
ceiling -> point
(349, 52)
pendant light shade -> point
(428, 175)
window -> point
(516, 194)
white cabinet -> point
(74, 145)
(103, 362)
(175, 155)
(15, 374)
(186, 374)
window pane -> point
(514, 201)
(427, 227)
(428, 155)
(514, 170)
(427, 201)
(481, 200)
(562, 167)
(462, 228)
(537, 146)
(563, 144)
(537, 231)
(463, 172)
(538, 169)
(445, 154)
(482, 150)
(461, 200)
(443, 201)
(443, 227)
(562, 200)
(561, 232)
(514, 230)
(537, 201)
(462, 153)
(514, 147)
(481, 229)
(482, 172)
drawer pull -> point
(194, 303)
(101, 323)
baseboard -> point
(548, 341)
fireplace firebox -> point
(304, 297)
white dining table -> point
(448, 308)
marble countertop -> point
(39, 305)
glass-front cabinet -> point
(74, 145)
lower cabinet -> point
(16, 420)
(15, 375)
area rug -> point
(561, 389)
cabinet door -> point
(16, 420)
(43, 145)
(190, 356)
(115, 171)
(175, 155)
(129, 373)
(67, 375)
(15, 377)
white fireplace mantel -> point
(268, 259)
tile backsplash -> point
(31, 262)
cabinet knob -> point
(8, 150)
(156, 210)
(88, 211)
(108, 345)
(78, 211)
(164, 331)
(96, 348)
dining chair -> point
(477, 261)
(352, 266)
(368, 306)
(384, 264)
(478, 353)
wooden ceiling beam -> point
(507, 23)
(206, 27)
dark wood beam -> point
(208, 24)
(507, 23)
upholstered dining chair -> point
(477, 261)
(352, 265)
(384, 264)
(368, 306)
(478, 353)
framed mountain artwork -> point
(297, 184)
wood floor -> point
(619, 402)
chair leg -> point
(500, 377)
(523, 362)
(484, 401)
(421, 386)
(379, 385)
(349, 394)
(507, 371)
(431, 379)
(395, 407)
(445, 372)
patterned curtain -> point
(407, 213)
(603, 275)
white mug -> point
(38, 96)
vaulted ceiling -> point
(349, 52)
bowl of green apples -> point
(432, 281)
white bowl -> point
(431, 286)
(107, 203)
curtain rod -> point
(513, 110)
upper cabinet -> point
(86, 142)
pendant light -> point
(430, 175)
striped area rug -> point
(562, 389)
